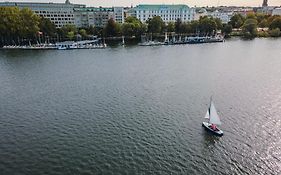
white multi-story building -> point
(119, 14)
(168, 13)
(59, 13)
(223, 16)
(93, 16)
(276, 11)
(77, 14)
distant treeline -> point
(18, 27)
(248, 26)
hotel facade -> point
(168, 13)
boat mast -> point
(210, 108)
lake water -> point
(138, 110)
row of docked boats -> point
(67, 45)
(86, 44)
(185, 40)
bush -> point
(275, 32)
(248, 35)
(276, 23)
(249, 28)
(263, 34)
(236, 34)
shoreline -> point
(114, 43)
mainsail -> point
(214, 118)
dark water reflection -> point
(138, 110)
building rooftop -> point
(40, 4)
(161, 7)
(94, 9)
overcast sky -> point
(135, 2)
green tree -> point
(275, 32)
(194, 25)
(47, 27)
(10, 21)
(276, 23)
(249, 28)
(178, 25)
(67, 31)
(226, 29)
(263, 23)
(16, 24)
(219, 23)
(29, 23)
(133, 27)
(112, 28)
(236, 21)
(251, 16)
(271, 18)
(207, 25)
(170, 27)
(186, 28)
(155, 25)
(92, 30)
(132, 19)
(83, 33)
(143, 29)
(127, 29)
(260, 17)
(69, 28)
(70, 35)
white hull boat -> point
(209, 128)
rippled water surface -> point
(138, 110)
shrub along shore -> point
(22, 27)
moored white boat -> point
(151, 43)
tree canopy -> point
(112, 28)
(133, 27)
(276, 23)
(236, 21)
(47, 27)
(18, 23)
(249, 28)
(155, 24)
(207, 25)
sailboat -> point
(214, 120)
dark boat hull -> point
(218, 132)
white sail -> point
(207, 116)
(214, 117)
